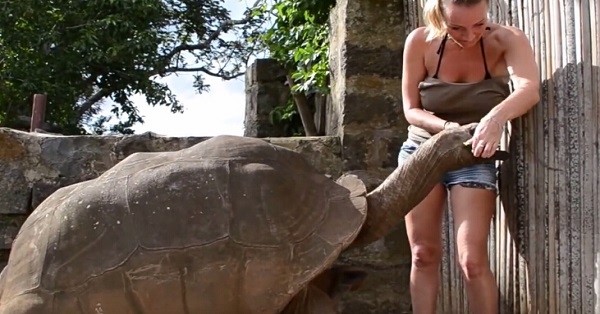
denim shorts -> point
(482, 176)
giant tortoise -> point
(230, 225)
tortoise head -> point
(322, 295)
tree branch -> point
(206, 44)
(308, 121)
(204, 70)
(87, 105)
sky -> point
(219, 111)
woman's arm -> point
(413, 72)
(521, 65)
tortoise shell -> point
(229, 225)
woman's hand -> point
(486, 137)
(450, 125)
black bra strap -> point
(487, 72)
(440, 52)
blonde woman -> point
(456, 70)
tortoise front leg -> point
(311, 300)
(322, 295)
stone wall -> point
(367, 40)
(265, 90)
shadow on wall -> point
(549, 194)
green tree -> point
(81, 53)
(299, 41)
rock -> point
(15, 192)
(9, 227)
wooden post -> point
(38, 112)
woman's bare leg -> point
(423, 227)
(473, 209)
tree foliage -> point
(81, 53)
(299, 40)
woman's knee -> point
(473, 210)
(473, 262)
(426, 256)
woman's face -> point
(466, 24)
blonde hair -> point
(433, 15)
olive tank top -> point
(459, 102)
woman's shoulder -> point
(420, 37)
(505, 35)
(417, 35)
